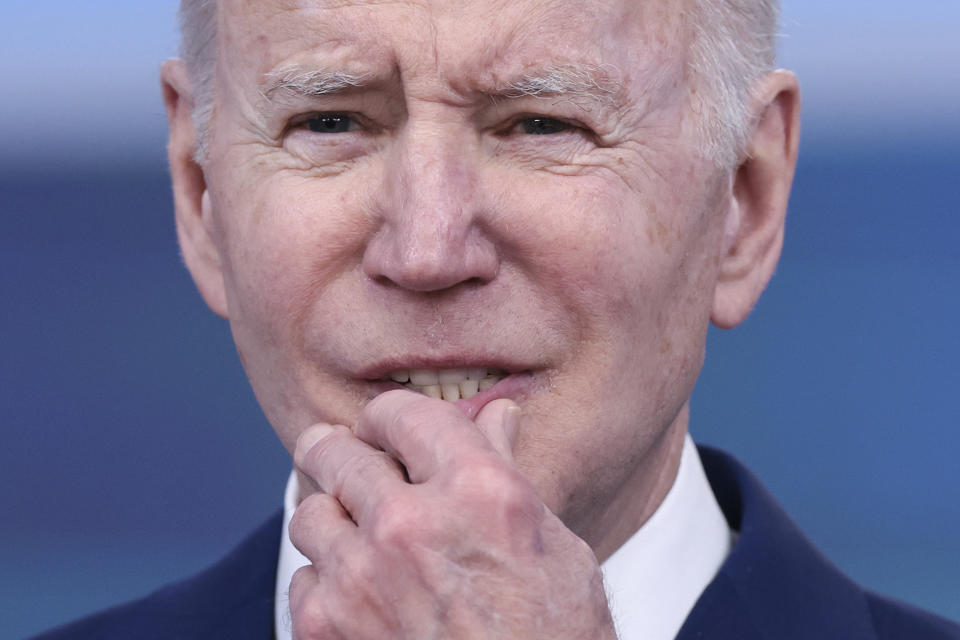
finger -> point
(317, 523)
(342, 465)
(423, 433)
(306, 609)
(498, 421)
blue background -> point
(134, 452)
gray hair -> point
(198, 49)
(733, 46)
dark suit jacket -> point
(774, 586)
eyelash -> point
(530, 123)
(353, 121)
(558, 125)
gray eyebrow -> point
(598, 83)
(310, 82)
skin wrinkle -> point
(307, 311)
(583, 84)
(733, 44)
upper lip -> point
(383, 368)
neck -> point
(641, 494)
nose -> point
(432, 236)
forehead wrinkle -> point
(543, 49)
(527, 41)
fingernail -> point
(511, 421)
(311, 436)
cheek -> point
(287, 238)
(634, 270)
(286, 244)
(610, 254)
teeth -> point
(423, 377)
(469, 388)
(448, 384)
(450, 392)
(451, 376)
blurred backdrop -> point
(133, 451)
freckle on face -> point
(590, 263)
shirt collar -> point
(656, 577)
(652, 581)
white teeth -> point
(469, 388)
(400, 376)
(451, 376)
(424, 377)
(450, 392)
(449, 384)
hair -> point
(198, 49)
(733, 46)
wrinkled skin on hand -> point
(432, 225)
(422, 528)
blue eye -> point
(543, 126)
(334, 123)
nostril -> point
(407, 263)
(470, 283)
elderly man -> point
(469, 251)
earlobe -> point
(191, 199)
(760, 190)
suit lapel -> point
(234, 598)
(774, 585)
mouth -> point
(447, 384)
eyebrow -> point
(597, 83)
(297, 81)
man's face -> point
(435, 217)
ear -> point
(195, 227)
(755, 220)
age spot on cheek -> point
(658, 234)
(665, 347)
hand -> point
(423, 528)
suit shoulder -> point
(231, 599)
(896, 620)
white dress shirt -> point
(652, 581)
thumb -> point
(499, 421)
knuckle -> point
(390, 404)
(482, 479)
(303, 578)
(311, 621)
(312, 458)
(356, 573)
(420, 412)
(362, 470)
(308, 516)
(307, 615)
(489, 486)
(412, 416)
(397, 523)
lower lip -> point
(515, 387)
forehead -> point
(453, 39)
